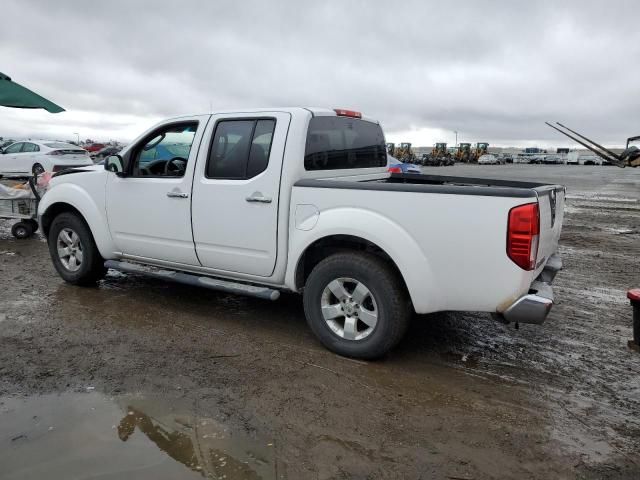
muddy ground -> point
(142, 379)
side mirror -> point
(114, 163)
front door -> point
(149, 210)
(11, 159)
(236, 193)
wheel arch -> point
(69, 198)
(328, 245)
(348, 227)
(55, 209)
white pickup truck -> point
(299, 199)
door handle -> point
(259, 198)
(177, 195)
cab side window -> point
(240, 148)
(260, 147)
(30, 147)
(165, 152)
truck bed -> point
(455, 229)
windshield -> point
(174, 143)
(634, 142)
(335, 143)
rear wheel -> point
(37, 169)
(22, 230)
(73, 250)
(356, 305)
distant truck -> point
(582, 157)
(300, 200)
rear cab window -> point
(340, 143)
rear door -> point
(236, 192)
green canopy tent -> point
(15, 95)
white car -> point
(257, 202)
(37, 156)
(488, 159)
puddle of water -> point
(88, 435)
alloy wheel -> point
(69, 249)
(349, 308)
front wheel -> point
(73, 250)
(356, 305)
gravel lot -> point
(142, 379)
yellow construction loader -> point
(440, 156)
(405, 154)
(480, 149)
(463, 153)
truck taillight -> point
(523, 233)
(341, 112)
(395, 170)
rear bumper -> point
(536, 305)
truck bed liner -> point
(411, 182)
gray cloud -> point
(492, 70)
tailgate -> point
(551, 205)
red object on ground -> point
(634, 295)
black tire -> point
(37, 169)
(386, 289)
(22, 230)
(34, 225)
(91, 268)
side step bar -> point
(195, 280)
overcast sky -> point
(494, 71)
